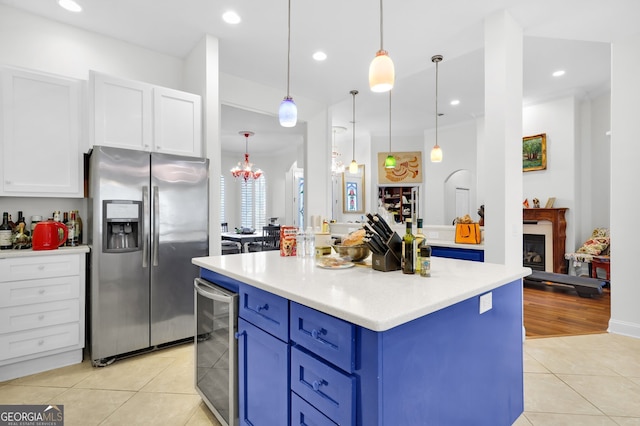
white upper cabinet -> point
(177, 123)
(40, 153)
(135, 115)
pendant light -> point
(244, 169)
(436, 152)
(353, 167)
(390, 161)
(381, 71)
(288, 111)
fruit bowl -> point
(355, 253)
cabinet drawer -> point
(18, 293)
(265, 310)
(34, 267)
(39, 340)
(329, 337)
(304, 414)
(19, 318)
(325, 387)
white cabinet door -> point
(40, 154)
(177, 122)
(122, 112)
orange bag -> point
(468, 233)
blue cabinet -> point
(455, 366)
(263, 358)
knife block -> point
(391, 259)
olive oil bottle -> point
(408, 251)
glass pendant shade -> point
(381, 73)
(288, 112)
(436, 154)
(353, 167)
(390, 162)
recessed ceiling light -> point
(558, 73)
(319, 56)
(231, 17)
(455, 102)
(70, 5)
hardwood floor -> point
(558, 311)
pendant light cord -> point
(354, 93)
(437, 102)
(288, 48)
(389, 122)
(381, 48)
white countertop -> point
(372, 299)
(5, 254)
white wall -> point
(557, 118)
(625, 128)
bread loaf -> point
(354, 238)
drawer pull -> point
(315, 333)
(40, 317)
(264, 307)
(40, 342)
(41, 267)
(317, 383)
(41, 291)
(239, 334)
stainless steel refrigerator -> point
(148, 217)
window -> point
(254, 203)
(223, 217)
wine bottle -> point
(420, 241)
(408, 251)
(72, 229)
(22, 220)
(79, 226)
(5, 232)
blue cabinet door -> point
(263, 376)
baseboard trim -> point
(624, 328)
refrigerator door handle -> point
(156, 226)
(145, 235)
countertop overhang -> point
(372, 299)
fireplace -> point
(533, 251)
(555, 235)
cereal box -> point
(288, 240)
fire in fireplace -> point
(533, 251)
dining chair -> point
(228, 247)
(270, 239)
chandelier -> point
(244, 169)
(337, 166)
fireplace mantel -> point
(559, 226)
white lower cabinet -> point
(42, 312)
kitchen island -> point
(365, 347)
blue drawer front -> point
(303, 414)
(325, 387)
(265, 310)
(329, 337)
(458, 253)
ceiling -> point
(573, 35)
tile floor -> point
(578, 380)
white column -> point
(503, 140)
(202, 77)
(625, 128)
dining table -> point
(243, 239)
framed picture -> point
(408, 168)
(534, 152)
(550, 203)
(353, 191)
